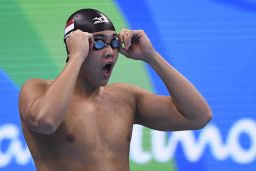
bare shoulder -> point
(34, 85)
(30, 90)
(36, 82)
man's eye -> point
(102, 42)
(99, 44)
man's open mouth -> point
(107, 68)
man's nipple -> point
(70, 138)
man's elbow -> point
(203, 119)
(41, 125)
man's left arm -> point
(184, 109)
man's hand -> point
(79, 44)
(136, 44)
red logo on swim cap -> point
(71, 21)
(69, 26)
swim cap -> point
(88, 20)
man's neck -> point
(85, 88)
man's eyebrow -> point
(99, 35)
(104, 35)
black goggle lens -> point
(100, 44)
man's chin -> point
(104, 83)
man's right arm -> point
(43, 107)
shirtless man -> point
(79, 123)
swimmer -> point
(79, 122)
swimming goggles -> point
(100, 44)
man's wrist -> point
(77, 57)
(76, 61)
(150, 58)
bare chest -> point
(91, 131)
(104, 125)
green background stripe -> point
(23, 55)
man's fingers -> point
(90, 39)
(123, 51)
(79, 41)
(128, 39)
(125, 37)
(66, 37)
(121, 36)
(89, 35)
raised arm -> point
(43, 105)
(185, 109)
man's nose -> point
(109, 51)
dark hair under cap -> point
(88, 20)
